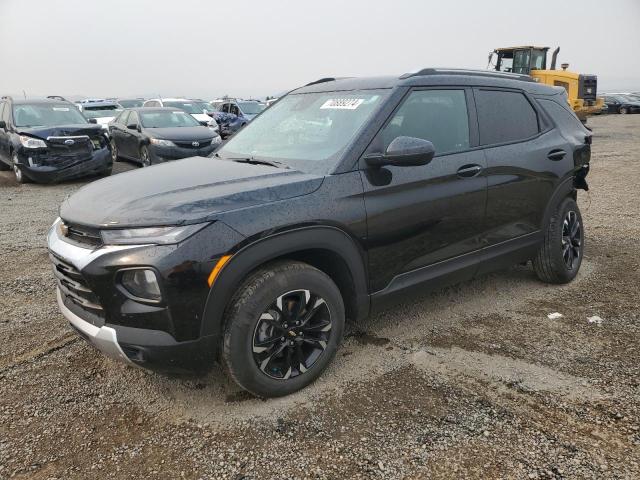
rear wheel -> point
(145, 158)
(560, 255)
(282, 329)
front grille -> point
(202, 144)
(73, 286)
(82, 147)
(85, 236)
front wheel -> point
(17, 171)
(114, 151)
(283, 328)
(560, 255)
(624, 110)
(145, 158)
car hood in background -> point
(192, 190)
(201, 117)
(181, 133)
(89, 129)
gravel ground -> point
(474, 381)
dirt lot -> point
(469, 382)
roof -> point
(427, 77)
(155, 109)
(22, 101)
(520, 48)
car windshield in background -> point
(131, 103)
(307, 131)
(189, 107)
(46, 115)
(101, 112)
(167, 119)
(203, 106)
(250, 108)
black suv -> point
(50, 140)
(341, 195)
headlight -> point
(156, 235)
(162, 143)
(141, 283)
(30, 142)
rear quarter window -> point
(563, 117)
(505, 116)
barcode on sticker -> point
(343, 103)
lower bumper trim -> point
(103, 338)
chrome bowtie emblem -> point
(69, 142)
(195, 144)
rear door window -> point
(439, 116)
(505, 116)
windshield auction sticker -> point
(342, 103)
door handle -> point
(469, 170)
(557, 154)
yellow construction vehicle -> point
(581, 88)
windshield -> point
(131, 103)
(250, 108)
(189, 107)
(167, 119)
(47, 115)
(101, 112)
(307, 131)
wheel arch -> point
(326, 248)
(565, 189)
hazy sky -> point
(207, 48)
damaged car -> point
(49, 140)
(331, 204)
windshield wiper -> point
(256, 161)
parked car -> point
(130, 102)
(198, 109)
(102, 111)
(155, 135)
(228, 123)
(244, 109)
(49, 140)
(339, 197)
(620, 103)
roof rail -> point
(461, 71)
(6, 97)
(322, 80)
(56, 97)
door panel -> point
(418, 216)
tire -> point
(145, 158)
(253, 319)
(114, 151)
(560, 256)
(20, 176)
(623, 111)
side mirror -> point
(132, 126)
(404, 152)
(93, 120)
(3, 125)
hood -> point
(192, 190)
(104, 120)
(90, 129)
(201, 117)
(185, 134)
(249, 116)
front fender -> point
(257, 253)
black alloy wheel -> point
(291, 334)
(571, 238)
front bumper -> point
(99, 161)
(103, 338)
(166, 337)
(162, 154)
